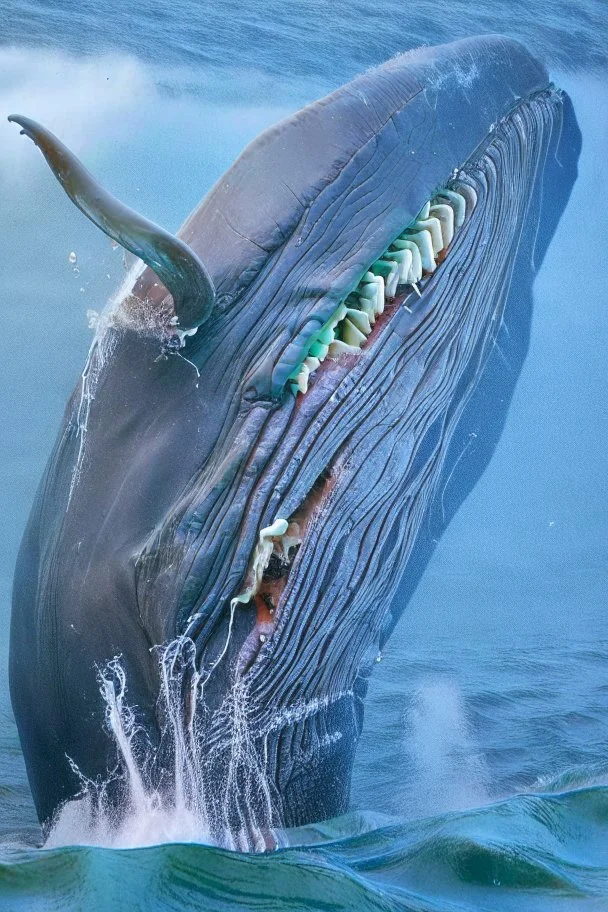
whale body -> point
(275, 423)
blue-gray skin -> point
(158, 487)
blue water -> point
(482, 775)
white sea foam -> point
(189, 802)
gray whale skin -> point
(275, 423)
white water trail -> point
(214, 790)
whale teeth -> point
(389, 271)
(359, 319)
(302, 379)
(422, 240)
(338, 348)
(415, 273)
(433, 226)
(416, 252)
(351, 335)
(445, 215)
(457, 203)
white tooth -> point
(311, 363)
(302, 379)
(338, 348)
(416, 269)
(360, 320)
(458, 205)
(470, 196)
(381, 294)
(391, 278)
(445, 214)
(422, 239)
(372, 288)
(424, 212)
(433, 226)
(403, 258)
(351, 335)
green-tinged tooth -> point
(458, 204)
(368, 309)
(338, 348)
(424, 212)
(433, 226)
(367, 291)
(422, 239)
(312, 364)
(302, 379)
(339, 314)
(359, 319)
(351, 335)
(445, 214)
(368, 277)
(294, 387)
(403, 259)
(416, 269)
(326, 336)
(318, 350)
(390, 273)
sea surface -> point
(481, 780)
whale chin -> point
(273, 428)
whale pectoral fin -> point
(177, 266)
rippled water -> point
(482, 775)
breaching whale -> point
(258, 452)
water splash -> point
(211, 786)
(449, 772)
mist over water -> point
(481, 777)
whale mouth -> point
(403, 268)
(395, 282)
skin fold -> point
(240, 684)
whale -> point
(281, 411)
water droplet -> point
(72, 258)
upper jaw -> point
(435, 105)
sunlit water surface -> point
(482, 775)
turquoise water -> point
(482, 775)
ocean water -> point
(482, 774)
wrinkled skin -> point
(149, 512)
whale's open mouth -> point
(408, 261)
(394, 282)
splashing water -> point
(213, 789)
(449, 773)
